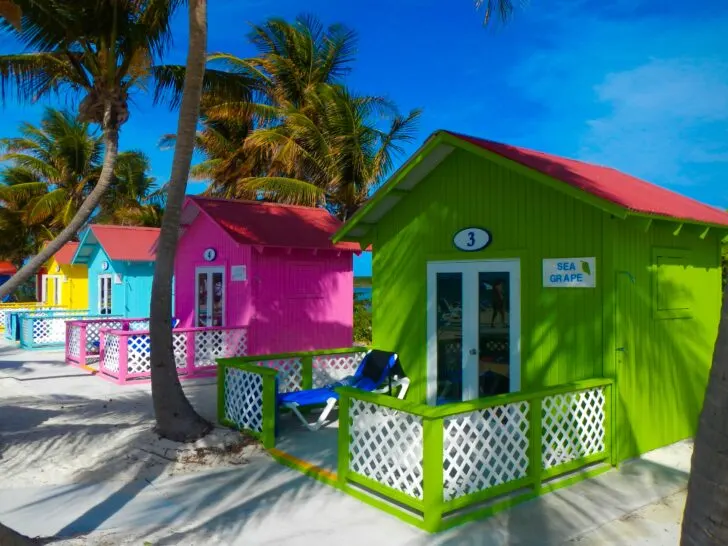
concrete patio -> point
(78, 461)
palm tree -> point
(176, 418)
(54, 167)
(21, 238)
(335, 156)
(99, 50)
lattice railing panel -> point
(213, 344)
(290, 372)
(139, 325)
(138, 353)
(111, 353)
(93, 333)
(244, 399)
(485, 448)
(74, 340)
(179, 348)
(385, 445)
(48, 330)
(573, 426)
(328, 369)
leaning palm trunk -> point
(111, 145)
(176, 418)
(705, 521)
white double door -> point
(473, 329)
(209, 296)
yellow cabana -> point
(63, 284)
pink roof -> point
(65, 255)
(273, 224)
(609, 184)
(127, 243)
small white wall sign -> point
(209, 254)
(104, 265)
(238, 273)
(569, 272)
(471, 239)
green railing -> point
(433, 466)
(247, 386)
(438, 466)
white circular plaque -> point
(471, 239)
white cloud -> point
(647, 96)
(663, 117)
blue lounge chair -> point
(379, 371)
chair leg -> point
(321, 421)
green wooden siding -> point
(567, 334)
(663, 371)
(561, 329)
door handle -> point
(621, 349)
(473, 352)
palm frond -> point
(285, 190)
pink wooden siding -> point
(302, 301)
(292, 300)
(200, 235)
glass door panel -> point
(105, 295)
(493, 332)
(218, 287)
(449, 336)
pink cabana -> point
(266, 266)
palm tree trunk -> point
(111, 150)
(175, 416)
(9, 537)
(705, 521)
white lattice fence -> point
(573, 426)
(111, 353)
(213, 344)
(328, 369)
(137, 353)
(290, 372)
(74, 340)
(93, 333)
(485, 448)
(385, 445)
(244, 399)
(47, 330)
(139, 325)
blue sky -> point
(640, 85)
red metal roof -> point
(65, 255)
(6, 268)
(609, 184)
(273, 224)
(127, 243)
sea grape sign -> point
(569, 272)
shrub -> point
(362, 322)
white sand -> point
(77, 456)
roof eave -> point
(344, 232)
(75, 259)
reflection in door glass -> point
(449, 336)
(217, 297)
(494, 333)
(202, 299)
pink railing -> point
(125, 355)
(83, 336)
